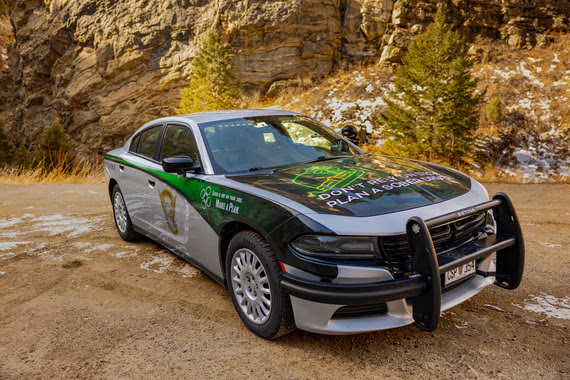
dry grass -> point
(498, 176)
(83, 173)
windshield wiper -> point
(256, 169)
(325, 158)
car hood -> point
(364, 185)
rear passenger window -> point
(135, 143)
(147, 141)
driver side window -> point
(178, 141)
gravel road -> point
(78, 302)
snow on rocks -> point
(533, 91)
(534, 104)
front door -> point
(175, 221)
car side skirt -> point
(182, 255)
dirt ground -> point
(76, 301)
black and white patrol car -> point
(306, 230)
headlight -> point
(337, 247)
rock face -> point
(102, 67)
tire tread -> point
(287, 323)
(130, 234)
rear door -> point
(135, 183)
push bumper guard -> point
(424, 284)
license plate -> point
(460, 272)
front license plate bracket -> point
(459, 273)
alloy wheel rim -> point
(120, 212)
(250, 285)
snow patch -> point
(164, 263)
(99, 247)
(83, 258)
(463, 325)
(66, 224)
(7, 245)
(525, 72)
(549, 245)
(124, 254)
(551, 306)
(12, 234)
(493, 307)
(81, 245)
(158, 264)
(6, 223)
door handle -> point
(121, 168)
(151, 183)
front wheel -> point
(252, 270)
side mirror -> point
(179, 165)
(340, 146)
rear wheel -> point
(253, 282)
(121, 216)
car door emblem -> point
(168, 202)
(205, 196)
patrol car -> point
(306, 230)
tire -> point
(253, 274)
(121, 216)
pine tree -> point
(213, 84)
(54, 150)
(23, 158)
(3, 7)
(433, 110)
(5, 146)
(494, 111)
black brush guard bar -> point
(424, 285)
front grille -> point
(360, 311)
(395, 248)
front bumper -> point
(315, 302)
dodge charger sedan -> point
(306, 230)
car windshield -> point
(264, 142)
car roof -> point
(205, 117)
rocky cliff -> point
(101, 67)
